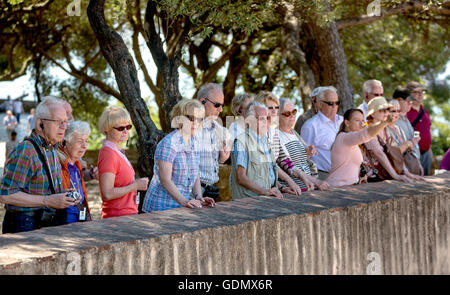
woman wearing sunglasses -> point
(294, 152)
(273, 134)
(176, 172)
(118, 187)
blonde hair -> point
(265, 96)
(238, 101)
(185, 107)
(111, 117)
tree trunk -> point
(167, 67)
(326, 57)
(120, 60)
(294, 55)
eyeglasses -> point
(274, 108)
(261, 118)
(216, 104)
(59, 122)
(194, 119)
(291, 113)
(122, 128)
(419, 91)
(331, 103)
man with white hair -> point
(254, 169)
(311, 112)
(320, 131)
(32, 184)
(371, 88)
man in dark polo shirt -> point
(420, 120)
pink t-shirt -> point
(346, 158)
(110, 161)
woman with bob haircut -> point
(118, 187)
(176, 181)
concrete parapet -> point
(380, 228)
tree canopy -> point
(288, 46)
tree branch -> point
(402, 8)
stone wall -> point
(386, 228)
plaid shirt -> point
(208, 141)
(185, 170)
(24, 171)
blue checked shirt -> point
(185, 170)
(208, 141)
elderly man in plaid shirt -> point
(211, 140)
(26, 187)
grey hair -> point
(252, 106)
(368, 85)
(79, 127)
(207, 88)
(283, 102)
(238, 100)
(42, 110)
(321, 94)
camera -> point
(73, 195)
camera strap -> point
(44, 164)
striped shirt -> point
(185, 171)
(294, 150)
(208, 142)
(273, 137)
(25, 172)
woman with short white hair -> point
(76, 140)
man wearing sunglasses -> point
(311, 112)
(211, 140)
(371, 88)
(320, 131)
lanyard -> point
(77, 187)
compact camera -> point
(74, 195)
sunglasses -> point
(122, 128)
(331, 103)
(395, 111)
(215, 104)
(194, 119)
(274, 108)
(291, 113)
(377, 94)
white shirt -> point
(321, 132)
(18, 107)
(365, 108)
